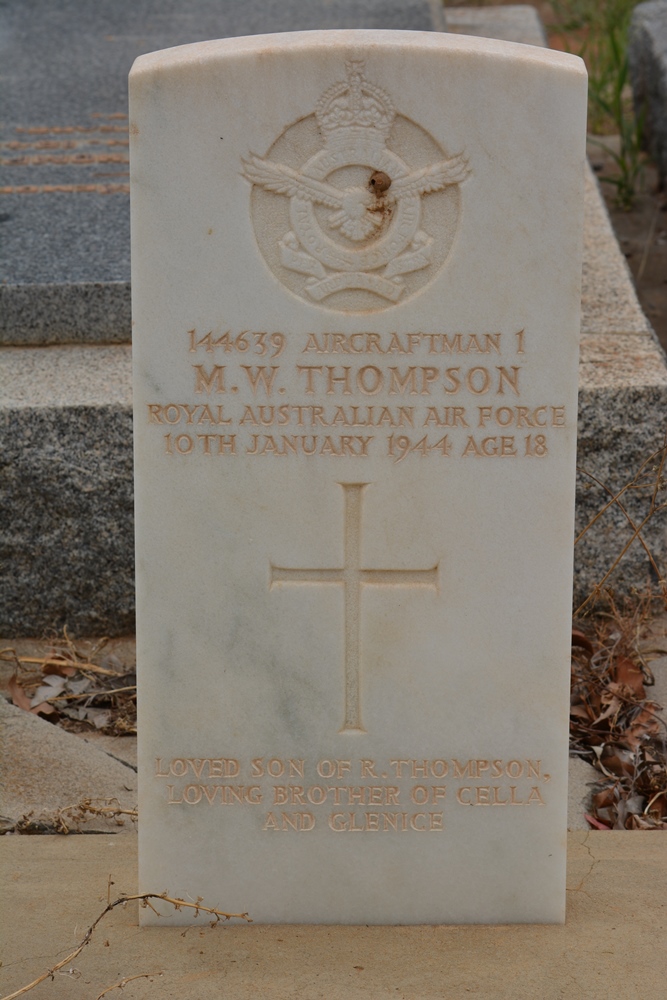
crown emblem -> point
(354, 103)
(355, 216)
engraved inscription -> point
(353, 577)
(374, 408)
(347, 795)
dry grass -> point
(80, 690)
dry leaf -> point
(55, 666)
(635, 804)
(580, 639)
(99, 719)
(19, 697)
(617, 760)
(643, 727)
(613, 703)
(582, 712)
(595, 823)
(54, 684)
(605, 797)
(78, 687)
(43, 709)
(629, 674)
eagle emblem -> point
(355, 206)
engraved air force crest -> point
(355, 206)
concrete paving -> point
(46, 770)
(613, 944)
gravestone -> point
(647, 56)
(356, 268)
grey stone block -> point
(622, 407)
(516, 23)
(64, 220)
(648, 70)
(66, 517)
(609, 303)
(64, 312)
(66, 503)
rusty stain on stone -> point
(379, 182)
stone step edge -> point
(87, 375)
(60, 313)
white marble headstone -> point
(356, 265)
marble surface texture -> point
(355, 357)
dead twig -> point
(595, 593)
(88, 806)
(91, 695)
(125, 981)
(56, 661)
(617, 496)
(616, 500)
(71, 645)
(63, 820)
(144, 899)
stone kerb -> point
(622, 403)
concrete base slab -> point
(45, 770)
(613, 945)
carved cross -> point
(353, 577)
